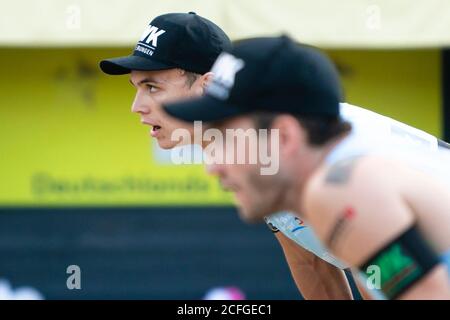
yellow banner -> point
(67, 136)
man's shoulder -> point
(336, 184)
(364, 184)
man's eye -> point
(151, 88)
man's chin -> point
(249, 216)
(166, 145)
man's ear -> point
(207, 78)
(203, 81)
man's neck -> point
(314, 160)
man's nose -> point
(141, 105)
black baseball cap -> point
(272, 74)
(174, 40)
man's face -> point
(256, 195)
(155, 88)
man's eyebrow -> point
(145, 80)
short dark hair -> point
(320, 129)
(191, 77)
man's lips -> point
(150, 123)
(155, 131)
(155, 127)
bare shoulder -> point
(343, 202)
(352, 182)
(350, 178)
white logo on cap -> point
(224, 70)
(151, 34)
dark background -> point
(141, 253)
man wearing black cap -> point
(379, 204)
(171, 61)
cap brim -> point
(124, 65)
(205, 109)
